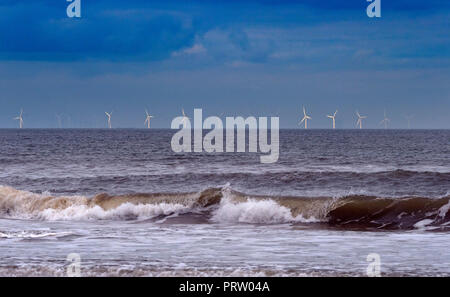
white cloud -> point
(193, 50)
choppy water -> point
(130, 206)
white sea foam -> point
(122, 212)
(423, 224)
(250, 211)
(32, 234)
(253, 211)
(23, 204)
(444, 210)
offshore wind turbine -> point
(334, 118)
(147, 119)
(20, 119)
(409, 118)
(109, 118)
(305, 118)
(360, 118)
(385, 121)
(184, 118)
(58, 118)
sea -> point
(127, 205)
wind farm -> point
(63, 120)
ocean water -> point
(129, 206)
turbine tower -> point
(385, 121)
(333, 117)
(409, 118)
(360, 118)
(185, 118)
(109, 118)
(305, 118)
(58, 118)
(147, 119)
(20, 119)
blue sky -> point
(231, 58)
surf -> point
(224, 205)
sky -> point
(230, 58)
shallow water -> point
(148, 249)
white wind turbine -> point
(58, 118)
(109, 118)
(20, 119)
(409, 118)
(185, 118)
(360, 118)
(334, 118)
(305, 118)
(385, 121)
(147, 119)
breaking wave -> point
(224, 205)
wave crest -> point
(224, 205)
